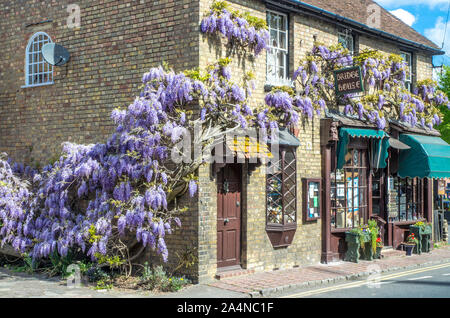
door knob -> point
(238, 203)
(226, 221)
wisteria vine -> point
(385, 97)
(117, 198)
(240, 29)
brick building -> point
(117, 41)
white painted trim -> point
(28, 62)
(270, 81)
(37, 85)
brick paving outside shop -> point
(267, 283)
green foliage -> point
(111, 261)
(59, 265)
(286, 89)
(224, 61)
(422, 225)
(93, 237)
(95, 274)
(257, 23)
(27, 265)
(444, 85)
(411, 239)
(373, 229)
(103, 284)
(157, 279)
(369, 233)
(195, 74)
(186, 259)
(219, 6)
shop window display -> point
(409, 198)
(349, 191)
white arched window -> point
(37, 71)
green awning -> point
(429, 157)
(379, 145)
(286, 139)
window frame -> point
(40, 62)
(343, 35)
(363, 206)
(277, 81)
(283, 225)
(414, 196)
(409, 77)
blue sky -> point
(426, 16)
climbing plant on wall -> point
(385, 97)
(242, 30)
(116, 198)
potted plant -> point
(354, 241)
(422, 232)
(411, 242)
(380, 246)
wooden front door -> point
(229, 216)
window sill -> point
(281, 235)
(270, 84)
(37, 85)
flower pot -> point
(353, 245)
(378, 252)
(409, 249)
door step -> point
(390, 252)
(233, 272)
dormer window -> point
(37, 71)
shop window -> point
(282, 190)
(349, 191)
(407, 57)
(378, 193)
(277, 54)
(37, 71)
(410, 198)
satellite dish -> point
(55, 54)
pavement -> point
(426, 282)
(256, 285)
(271, 284)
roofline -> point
(327, 15)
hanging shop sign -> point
(348, 81)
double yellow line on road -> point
(361, 283)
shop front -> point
(369, 174)
(410, 184)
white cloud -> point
(441, 4)
(405, 16)
(436, 34)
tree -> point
(444, 85)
